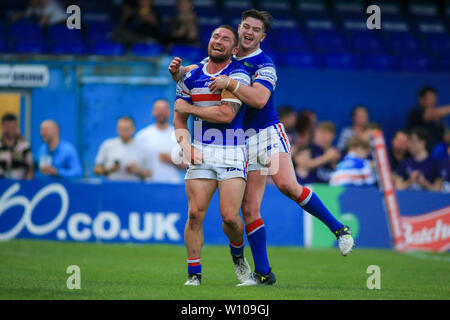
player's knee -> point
(230, 219)
(195, 215)
(250, 212)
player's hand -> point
(192, 155)
(49, 171)
(219, 83)
(175, 65)
(181, 106)
(332, 154)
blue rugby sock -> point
(194, 266)
(256, 235)
(237, 249)
(310, 202)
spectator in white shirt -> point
(121, 158)
(159, 139)
(47, 12)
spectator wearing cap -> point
(354, 169)
(57, 158)
(16, 159)
(420, 171)
(429, 117)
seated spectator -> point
(304, 128)
(16, 159)
(183, 26)
(301, 158)
(140, 23)
(288, 117)
(399, 150)
(57, 158)
(159, 138)
(354, 169)
(429, 117)
(360, 118)
(121, 158)
(46, 12)
(420, 171)
(324, 155)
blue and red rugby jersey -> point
(193, 88)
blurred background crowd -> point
(319, 34)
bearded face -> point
(221, 45)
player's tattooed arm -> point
(256, 95)
(223, 113)
(177, 70)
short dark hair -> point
(424, 90)
(285, 110)
(126, 117)
(356, 142)
(359, 106)
(420, 133)
(263, 16)
(233, 30)
(9, 117)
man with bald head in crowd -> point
(57, 158)
(159, 140)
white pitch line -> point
(425, 256)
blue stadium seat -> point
(395, 25)
(149, 50)
(278, 9)
(293, 41)
(414, 63)
(343, 60)
(441, 64)
(191, 53)
(233, 9)
(29, 47)
(421, 8)
(205, 7)
(62, 34)
(107, 48)
(389, 8)
(99, 31)
(349, 8)
(316, 24)
(365, 42)
(70, 48)
(437, 44)
(165, 7)
(205, 35)
(377, 62)
(402, 43)
(427, 26)
(328, 41)
(304, 60)
(316, 8)
(26, 29)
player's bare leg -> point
(231, 193)
(199, 193)
(283, 175)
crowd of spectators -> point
(419, 154)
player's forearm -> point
(181, 130)
(436, 113)
(214, 114)
(252, 96)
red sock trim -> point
(304, 195)
(254, 225)
(237, 245)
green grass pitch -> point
(37, 270)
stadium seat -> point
(441, 64)
(205, 7)
(149, 50)
(401, 43)
(191, 53)
(26, 29)
(421, 8)
(389, 8)
(437, 44)
(414, 63)
(365, 42)
(342, 60)
(205, 35)
(328, 41)
(377, 62)
(70, 48)
(310, 8)
(107, 48)
(62, 34)
(29, 47)
(395, 25)
(431, 26)
(278, 9)
(165, 7)
(349, 8)
(233, 9)
(99, 31)
(293, 41)
(303, 60)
